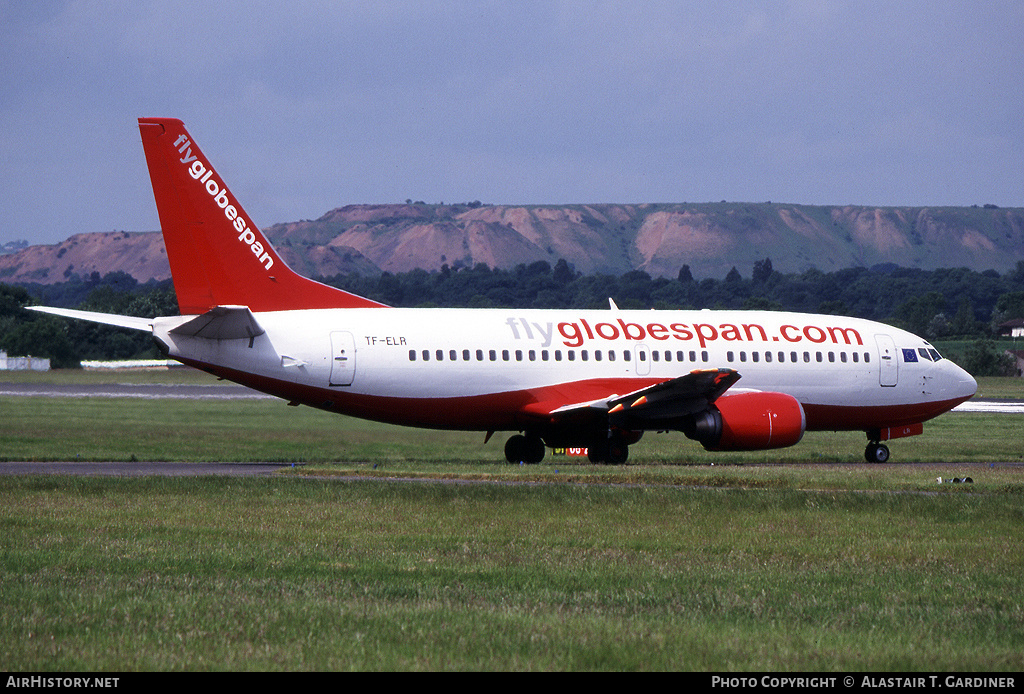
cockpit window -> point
(935, 354)
(924, 353)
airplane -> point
(553, 378)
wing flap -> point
(648, 406)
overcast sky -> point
(307, 106)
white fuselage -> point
(475, 369)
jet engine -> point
(749, 422)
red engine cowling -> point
(749, 422)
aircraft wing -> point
(644, 408)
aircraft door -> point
(343, 359)
(642, 360)
(888, 368)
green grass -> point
(760, 562)
(268, 430)
(242, 574)
(1001, 388)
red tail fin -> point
(218, 256)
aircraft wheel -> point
(515, 449)
(876, 453)
(597, 452)
(534, 451)
(524, 449)
(618, 451)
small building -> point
(23, 363)
(1012, 328)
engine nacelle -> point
(750, 422)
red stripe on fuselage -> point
(503, 411)
(865, 417)
(511, 411)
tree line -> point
(944, 304)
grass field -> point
(752, 565)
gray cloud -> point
(307, 106)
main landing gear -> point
(876, 453)
(524, 449)
(613, 450)
(529, 450)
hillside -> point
(657, 238)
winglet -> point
(218, 256)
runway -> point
(226, 391)
(232, 391)
(126, 469)
(145, 391)
(991, 406)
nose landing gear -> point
(876, 453)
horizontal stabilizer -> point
(131, 322)
(222, 323)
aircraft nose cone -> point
(969, 384)
(961, 384)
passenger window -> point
(426, 355)
(543, 355)
(704, 356)
(842, 357)
(453, 355)
(558, 355)
(504, 355)
(611, 355)
(519, 355)
(479, 355)
(597, 355)
(768, 357)
(465, 355)
(533, 355)
(572, 355)
(439, 355)
(654, 355)
(412, 355)
(729, 357)
(583, 355)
